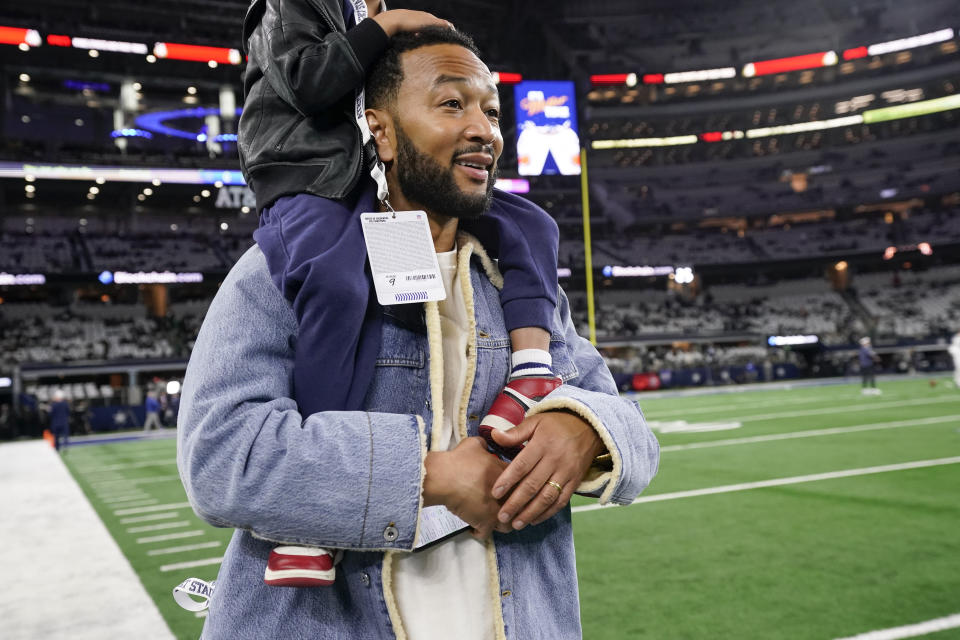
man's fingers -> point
(547, 502)
(518, 435)
(527, 490)
(515, 471)
(560, 503)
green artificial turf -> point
(822, 559)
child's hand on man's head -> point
(397, 20)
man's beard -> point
(428, 183)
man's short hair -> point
(383, 81)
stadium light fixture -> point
(148, 191)
(506, 77)
(115, 46)
(913, 42)
(631, 143)
(94, 190)
(794, 63)
(196, 53)
(702, 75)
(20, 37)
(93, 53)
(609, 78)
(24, 77)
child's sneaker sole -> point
(290, 566)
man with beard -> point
(308, 158)
(251, 457)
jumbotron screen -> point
(547, 137)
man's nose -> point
(479, 128)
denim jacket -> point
(352, 480)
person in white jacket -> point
(954, 350)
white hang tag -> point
(437, 524)
(191, 588)
(402, 257)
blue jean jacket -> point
(352, 480)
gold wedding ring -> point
(555, 485)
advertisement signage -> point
(547, 135)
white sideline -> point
(49, 590)
(810, 433)
(911, 630)
(779, 482)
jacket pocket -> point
(286, 134)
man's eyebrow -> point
(445, 79)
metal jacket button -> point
(390, 533)
(365, 579)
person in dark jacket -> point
(59, 420)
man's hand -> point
(560, 449)
(397, 20)
(461, 480)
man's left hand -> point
(560, 449)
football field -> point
(812, 512)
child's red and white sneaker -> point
(290, 566)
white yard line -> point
(188, 565)
(911, 630)
(840, 410)
(155, 516)
(137, 503)
(158, 527)
(130, 465)
(184, 548)
(779, 482)
(159, 507)
(126, 498)
(741, 403)
(99, 485)
(870, 426)
(170, 536)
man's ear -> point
(383, 132)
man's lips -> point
(475, 165)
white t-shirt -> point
(444, 591)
